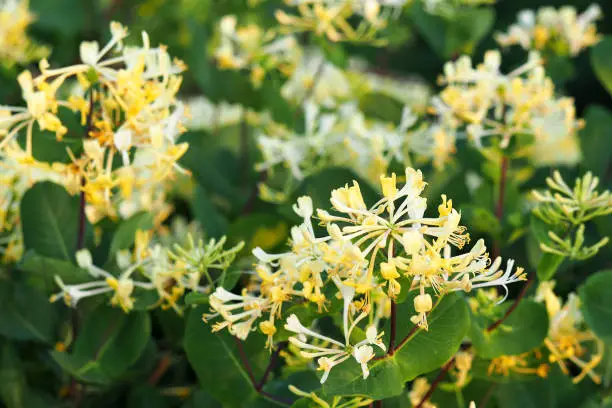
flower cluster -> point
(569, 340)
(125, 97)
(488, 103)
(15, 45)
(333, 18)
(561, 31)
(254, 49)
(341, 138)
(570, 209)
(369, 255)
(152, 275)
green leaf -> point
(108, 344)
(213, 222)
(13, 387)
(385, 379)
(601, 59)
(423, 352)
(597, 303)
(200, 399)
(428, 350)
(595, 140)
(460, 33)
(548, 265)
(50, 219)
(67, 17)
(126, 232)
(215, 360)
(382, 107)
(320, 185)
(525, 329)
(43, 269)
(26, 313)
(146, 396)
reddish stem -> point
(511, 309)
(160, 370)
(393, 328)
(436, 382)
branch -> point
(258, 386)
(160, 370)
(520, 297)
(436, 382)
(487, 396)
(393, 328)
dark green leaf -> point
(50, 219)
(597, 303)
(215, 359)
(524, 330)
(601, 59)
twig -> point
(259, 386)
(514, 305)
(499, 209)
(378, 404)
(250, 203)
(160, 370)
(436, 382)
(393, 331)
(245, 361)
(271, 365)
(487, 396)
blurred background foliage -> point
(223, 201)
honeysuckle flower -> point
(250, 47)
(204, 115)
(562, 31)
(517, 364)
(332, 19)
(485, 103)
(569, 340)
(420, 387)
(318, 81)
(16, 47)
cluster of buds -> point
(15, 45)
(570, 209)
(166, 273)
(561, 31)
(485, 102)
(125, 97)
(364, 255)
(254, 49)
(333, 18)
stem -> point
(271, 365)
(499, 209)
(436, 382)
(514, 305)
(245, 361)
(378, 404)
(160, 370)
(393, 328)
(82, 201)
(259, 386)
(485, 399)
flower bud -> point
(423, 303)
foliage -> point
(320, 203)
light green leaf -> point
(43, 269)
(548, 265)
